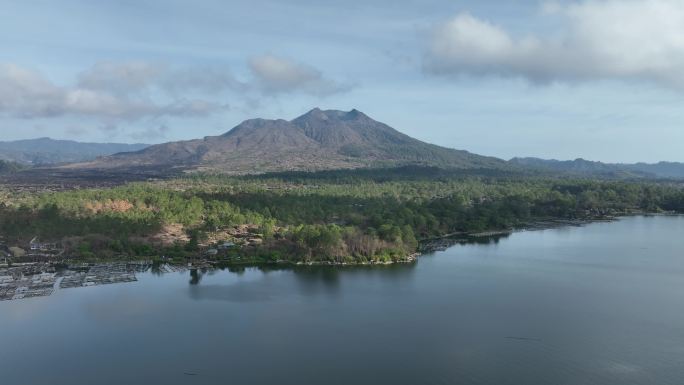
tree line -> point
(338, 216)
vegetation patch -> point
(352, 216)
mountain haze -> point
(317, 140)
(582, 167)
(46, 151)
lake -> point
(597, 304)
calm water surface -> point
(599, 304)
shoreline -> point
(428, 245)
(440, 243)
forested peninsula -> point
(349, 216)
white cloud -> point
(210, 80)
(121, 78)
(612, 39)
(110, 95)
(275, 75)
(129, 91)
(24, 93)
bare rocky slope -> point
(317, 140)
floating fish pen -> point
(105, 274)
(25, 286)
(41, 280)
(166, 268)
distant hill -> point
(660, 169)
(317, 140)
(582, 167)
(10, 167)
(46, 151)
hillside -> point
(10, 167)
(317, 140)
(46, 151)
(660, 169)
(582, 167)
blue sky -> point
(602, 80)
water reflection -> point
(195, 276)
(252, 283)
(310, 278)
(593, 305)
(235, 292)
(441, 244)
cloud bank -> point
(612, 39)
(280, 75)
(129, 91)
(108, 91)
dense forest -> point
(340, 216)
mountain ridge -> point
(583, 167)
(316, 140)
(46, 151)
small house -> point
(36, 245)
